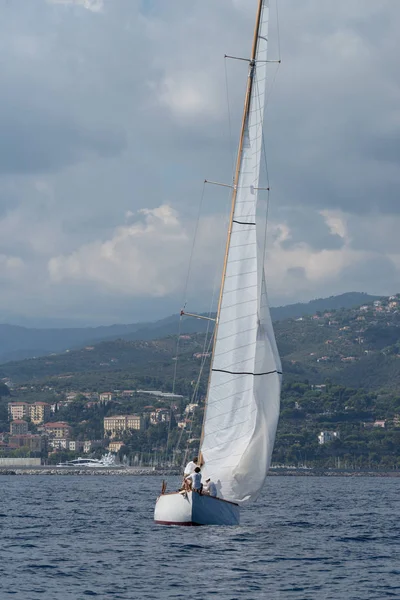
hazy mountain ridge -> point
(358, 347)
(18, 343)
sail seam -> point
(242, 222)
(234, 411)
(245, 258)
(247, 372)
(229, 396)
(245, 273)
(228, 321)
(232, 426)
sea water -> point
(75, 537)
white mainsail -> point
(242, 406)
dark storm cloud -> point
(123, 106)
(318, 233)
(378, 271)
(34, 140)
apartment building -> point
(117, 424)
(18, 411)
(106, 397)
(160, 415)
(66, 444)
(115, 446)
(40, 412)
(90, 445)
(18, 427)
(328, 436)
(35, 443)
(58, 430)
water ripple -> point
(70, 538)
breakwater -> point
(135, 471)
(124, 472)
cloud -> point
(40, 141)
(147, 258)
(92, 5)
(10, 267)
(113, 113)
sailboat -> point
(243, 397)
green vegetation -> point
(307, 411)
(341, 374)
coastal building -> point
(18, 427)
(106, 397)
(328, 436)
(370, 424)
(115, 446)
(39, 412)
(115, 425)
(58, 430)
(66, 444)
(159, 415)
(160, 394)
(201, 354)
(34, 443)
(18, 410)
(90, 445)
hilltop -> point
(353, 347)
(17, 343)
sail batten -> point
(244, 389)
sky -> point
(113, 112)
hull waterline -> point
(193, 509)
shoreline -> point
(154, 472)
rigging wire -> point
(264, 153)
(231, 148)
(208, 341)
(184, 304)
(187, 283)
(278, 34)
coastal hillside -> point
(353, 347)
(341, 381)
(17, 343)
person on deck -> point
(209, 488)
(193, 481)
(190, 467)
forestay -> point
(244, 393)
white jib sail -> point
(244, 394)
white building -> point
(159, 415)
(66, 444)
(90, 445)
(328, 436)
(159, 393)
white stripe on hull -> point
(195, 509)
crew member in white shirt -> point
(209, 488)
(190, 467)
(193, 481)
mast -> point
(250, 80)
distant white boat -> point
(106, 461)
